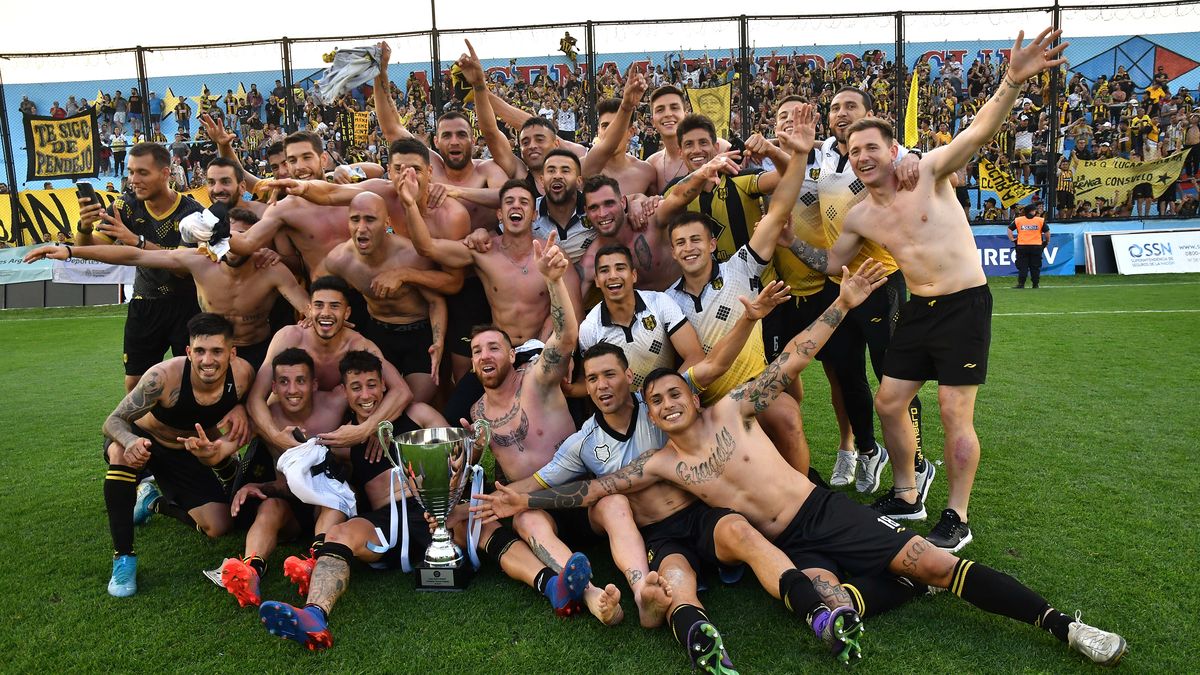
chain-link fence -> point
(1129, 92)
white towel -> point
(320, 490)
(350, 68)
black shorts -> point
(255, 353)
(181, 477)
(1143, 191)
(467, 309)
(963, 193)
(573, 527)
(787, 320)
(833, 532)
(943, 338)
(362, 471)
(688, 532)
(419, 536)
(1064, 199)
(151, 326)
(404, 345)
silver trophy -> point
(436, 467)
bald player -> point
(232, 287)
(407, 324)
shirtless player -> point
(232, 287)
(409, 324)
(944, 330)
(606, 210)
(721, 455)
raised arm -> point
(438, 315)
(564, 335)
(1024, 62)
(726, 350)
(217, 133)
(443, 251)
(613, 139)
(385, 108)
(261, 234)
(498, 144)
(842, 253)
(799, 143)
(289, 288)
(756, 395)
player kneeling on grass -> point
(721, 455)
(164, 425)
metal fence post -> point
(10, 167)
(435, 61)
(744, 67)
(589, 34)
(285, 47)
(1052, 150)
(139, 55)
(900, 67)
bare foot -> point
(656, 600)
(605, 604)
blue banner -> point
(998, 255)
(14, 271)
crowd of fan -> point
(1110, 117)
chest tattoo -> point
(710, 468)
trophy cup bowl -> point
(435, 464)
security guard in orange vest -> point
(1031, 235)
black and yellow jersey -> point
(160, 229)
(736, 205)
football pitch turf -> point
(1084, 493)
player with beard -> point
(326, 339)
(527, 413)
(721, 455)
(409, 324)
(454, 141)
(666, 113)
(605, 208)
(147, 217)
(944, 330)
(164, 425)
(273, 511)
(830, 190)
(232, 287)
(560, 209)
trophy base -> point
(435, 579)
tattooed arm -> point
(639, 474)
(754, 396)
(824, 260)
(144, 396)
(556, 355)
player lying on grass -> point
(722, 456)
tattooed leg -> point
(613, 516)
(538, 529)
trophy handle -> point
(387, 439)
(481, 439)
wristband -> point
(69, 254)
(141, 241)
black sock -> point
(1055, 622)
(318, 609)
(257, 563)
(317, 543)
(173, 510)
(998, 593)
(227, 471)
(543, 579)
(682, 620)
(120, 495)
(879, 593)
(798, 593)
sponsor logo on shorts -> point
(969, 365)
(888, 522)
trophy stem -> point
(442, 551)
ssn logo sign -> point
(1151, 250)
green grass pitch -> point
(1085, 492)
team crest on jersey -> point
(603, 452)
(649, 322)
(717, 284)
(814, 172)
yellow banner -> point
(62, 148)
(362, 126)
(52, 215)
(996, 179)
(714, 103)
(1115, 178)
(911, 111)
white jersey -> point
(599, 450)
(714, 312)
(646, 341)
(574, 239)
